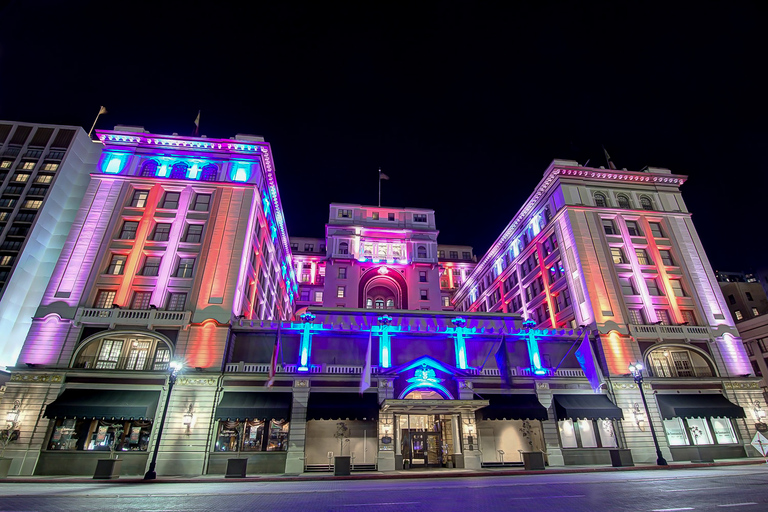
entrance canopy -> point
(243, 405)
(513, 407)
(343, 406)
(104, 403)
(432, 406)
(588, 407)
(698, 406)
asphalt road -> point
(731, 489)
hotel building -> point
(44, 172)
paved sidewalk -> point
(375, 475)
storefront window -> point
(567, 434)
(253, 436)
(724, 433)
(699, 431)
(607, 435)
(98, 435)
(676, 435)
(587, 433)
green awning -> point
(243, 405)
(104, 404)
(343, 406)
(587, 406)
(698, 406)
(512, 407)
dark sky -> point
(462, 104)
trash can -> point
(341, 465)
(621, 457)
(533, 461)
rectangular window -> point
(656, 230)
(105, 299)
(441, 253)
(194, 234)
(151, 266)
(27, 166)
(186, 267)
(567, 434)
(32, 204)
(642, 257)
(607, 433)
(139, 199)
(309, 247)
(618, 255)
(731, 299)
(633, 228)
(466, 255)
(724, 433)
(587, 434)
(636, 317)
(423, 295)
(162, 232)
(304, 296)
(608, 227)
(446, 301)
(171, 200)
(294, 246)
(129, 230)
(202, 202)
(43, 179)
(375, 215)
(21, 177)
(419, 217)
(675, 432)
(117, 265)
(342, 272)
(176, 301)
(50, 166)
(141, 300)
(748, 348)
(666, 258)
(6, 164)
(345, 214)
(626, 286)
(6, 261)
(422, 276)
(390, 216)
(653, 287)
(755, 312)
(454, 255)
(738, 315)
(341, 291)
(318, 296)
(688, 317)
(663, 317)
(699, 430)
(677, 288)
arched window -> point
(421, 252)
(179, 170)
(678, 361)
(149, 169)
(379, 303)
(343, 248)
(600, 200)
(209, 173)
(124, 351)
(623, 201)
(646, 203)
(390, 304)
(369, 303)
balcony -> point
(526, 372)
(328, 369)
(138, 362)
(679, 332)
(144, 317)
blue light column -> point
(460, 344)
(533, 349)
(385, 345)
(305, 349)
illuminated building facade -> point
(617, 252)
(44, 172)
(176, 238)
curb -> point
(377, 476)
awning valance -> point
(104, 403)
(587, 406)
(343, 406)
(236, 405)
(698, 406)
(512, 407)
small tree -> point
(119, 428)
(8, 436)
(342, 434)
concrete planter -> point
(107, 469)
(342, 465)
(621, 457)
(236, 468)
(5, 465)
(702, 456)
(533, 461)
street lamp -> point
(174, 368)
(636, 369)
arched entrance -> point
(382, 288)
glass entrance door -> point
(422, 440)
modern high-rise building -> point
(44, 172)
(176, 238)
(616, 251)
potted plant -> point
(532, 459)
(237, 467)
(7, 436)
(341, 463)
(109, 469)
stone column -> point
(294, 462)
(386, 456)
(458, 457)
(472, 456)
(554, 453)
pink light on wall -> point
(45, 341)
(734, 355)
(618, 353)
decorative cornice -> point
(741, 385)
(36, 377)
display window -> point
(99, 435)
(252, 436)
(699, 431)
(584, 433)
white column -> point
(455, 433)
(294, 463)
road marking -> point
(671, 509)
(696, 489)
(547, 497)
(381, 504)
(739, 504)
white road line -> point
(739, 504)
(381, 504)
(671, 509)
(696, 489)
(546, 497)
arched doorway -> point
(382, 288)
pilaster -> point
(297, 435)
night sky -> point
(462, 104)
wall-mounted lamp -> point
(759, 412)
(186, 420)
(639, 416)
(13, 414)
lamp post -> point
(175, 367)
(636, 369)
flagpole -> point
(379, 187)
(101, 109)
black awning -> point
(698, 406)
(588, 407)
(512, 407)
(104, 403)
(250, 405)
(343, 406)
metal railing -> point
(669, 331)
